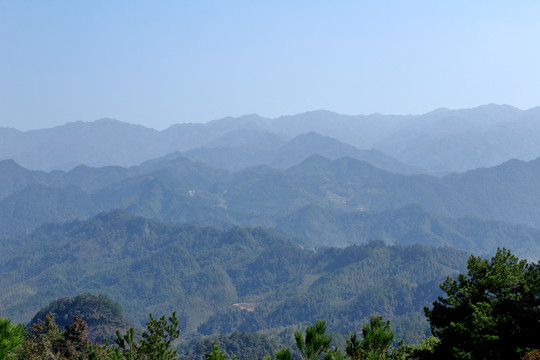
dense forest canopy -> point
(242, 279)
(492, 312)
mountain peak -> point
(497, 107)
(310, 135)
(9, 164)
(109, 122)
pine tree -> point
(492, 312)
(315, 343)
(11, 339)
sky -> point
(157, 63)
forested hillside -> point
(318, 202)
(102, 315)
(201, 273)
(411, 224)
(504, 287)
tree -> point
(75, 344)
(160, 333)
(493, 312)
(44, 341)
(335, 354)
(315, 343)
(377, 336)
(423, 350)
(102, 315)
(155, 344)
(283, 354)
(127, 348)
(11, 339)
(353, 348)
(216, 354)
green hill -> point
(315, 226)
(297, 201)
(102, 315)
(238, 279)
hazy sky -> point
(158, 63)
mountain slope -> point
(315, 227)
(202, 272)
(441, 141)
(305, 145)
(180, 191)
(460, 140)
(245, 148)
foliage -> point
(76, 344)
(127, 348)
(44, 340)
(283, 354)
(160, 333)
(315, 343)
(11, 339)
(216, 354)
(492, 312)
(200, 272)
(377, 336)
(422, 350)
(155, 343)
(335, 355)
(101, 315)
(244, 345)
(47, 341)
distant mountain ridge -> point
(460, 140)
(268, 149)
(319, 201)
(310, 216)
(440, 142)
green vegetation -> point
(11, 339)
(222, 281)
(318, 202)
(45, 340)
(250, 279)
(216, 354)
(377, 337)
(102, 315)
(244, 345)
(420, 351)
(156, 342)
(492, 312)
(315, 343)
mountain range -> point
(241, 279)
(319, 202)
(439, 142)
(249, 223)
